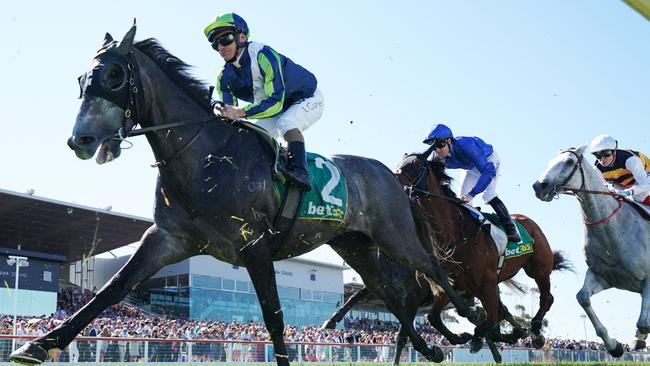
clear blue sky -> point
(528, 77)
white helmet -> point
(603, 142)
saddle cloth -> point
(328, 198)
(504, 248)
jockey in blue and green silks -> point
(283, 95)
(482, 164)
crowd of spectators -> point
(124, 321)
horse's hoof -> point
(29, 354)
(617, 351)
(497, 357)
(437, 356)
(475, 345)
(638, 344)
(328, 324)
(538, 341)
(465, 337)
(478, 316)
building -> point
(62, 240)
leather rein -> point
(573, 191)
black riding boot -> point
(506, 221)
(296, 171)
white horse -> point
(617, 246)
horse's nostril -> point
(84, 140)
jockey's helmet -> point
(437, 132)
(224, 22)
(603, 142)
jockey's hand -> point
(231, 113)
(623, 192)
(466, 198)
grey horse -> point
(215, 194)
(617, 241)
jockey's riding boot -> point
(296, 172)
(506, 221)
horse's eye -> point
(114, 77)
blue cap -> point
(438, 131)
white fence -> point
(96, 349)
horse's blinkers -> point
(113, 78)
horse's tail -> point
(561, 263)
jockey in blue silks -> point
(482, 165)
(283, 95)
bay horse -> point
(214, 194)
(472, 260)
(617, 240)
(430, 185)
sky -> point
(528, 77)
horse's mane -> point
(175, 69)
(438, 168)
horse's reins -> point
(412, 188)
(130, 113)
(573, 191)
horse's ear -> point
(127, 41)
(581, 150)
(107, 39)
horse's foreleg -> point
(262, 273)
(518, 331)
(157, 249)
(435, 319)
(404, 247)
(594, 284)
(643, 324)
(402, 338)
(358, 296)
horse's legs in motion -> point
(643, 324)
(360, 252)
(358, 296)
(545, 302)
(402, 338)
(157, 250)
(262, 273)
(594, 284)
(518, 331)
(435, 320)
(404, 247)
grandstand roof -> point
(54, 227)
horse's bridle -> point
(573, 191)
(126, 95)
(414, 188)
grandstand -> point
(62, 240)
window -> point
(241, 286)
(228, 285)
(288, 292)
(305, 294)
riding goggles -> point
(224, 40)
(439, 143)
(602, 154)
